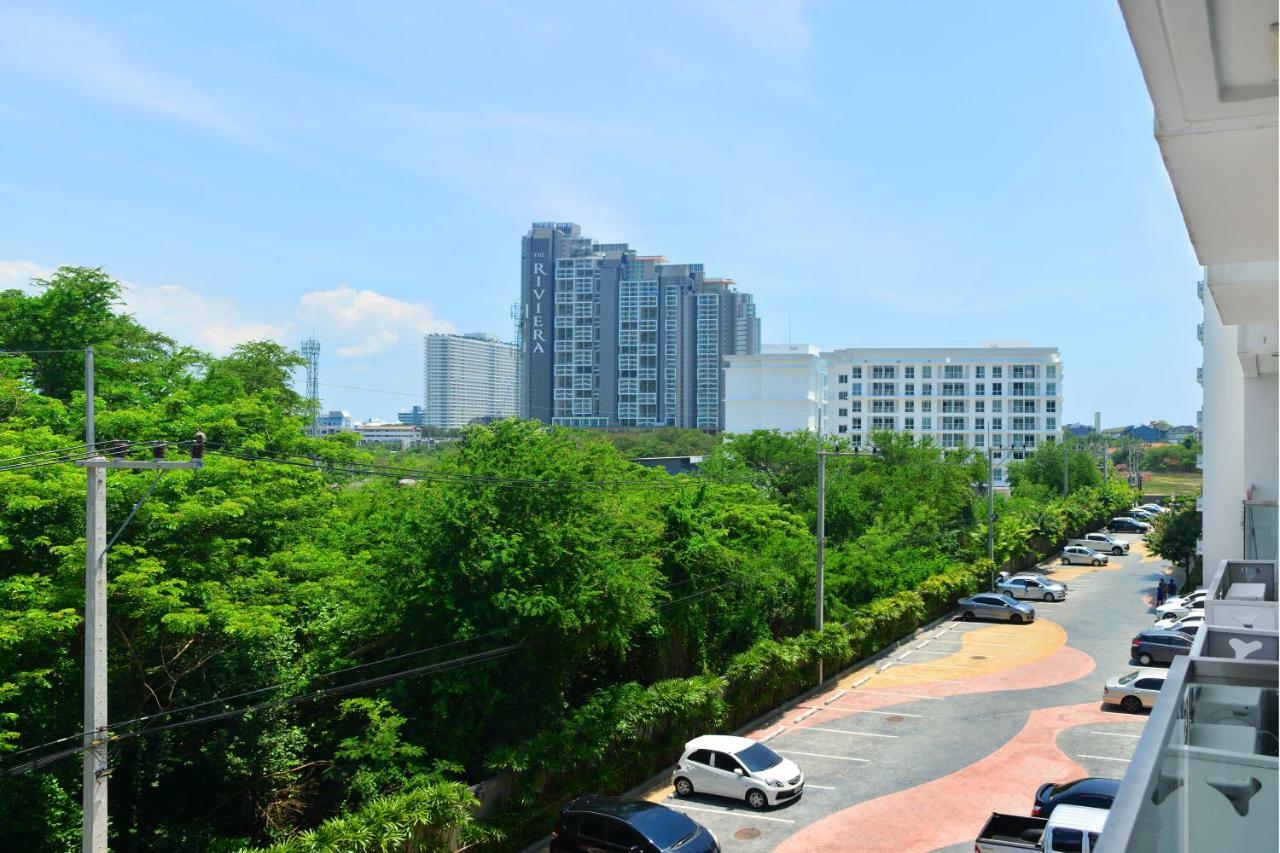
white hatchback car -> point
(739, 768)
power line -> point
(441, 666)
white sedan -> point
(738, 768)
(1135, 690)
(1179, 607)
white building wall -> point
(1223, 455)
(782, 388)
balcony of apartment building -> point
(1204, 776)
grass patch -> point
(1176, 483)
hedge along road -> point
(914, 751)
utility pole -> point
(991, 510)
(1066, 465)
(96, 767)
(818, 621)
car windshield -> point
(759, 757)
(664, 827)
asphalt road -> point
(914, 752)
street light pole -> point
(1066, 465)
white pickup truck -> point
(1103, 542)
(1074, 828)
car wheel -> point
(1015, 618)
(1132, 704)
(1117, 551)
(1048, 596)
(756, 799)
(1097, 562)
(683, 787)
(1145, 659)
(967, 616)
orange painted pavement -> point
(952, 809)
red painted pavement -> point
(952, 809)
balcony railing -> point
(1200, 375)
(1205, 773)
(1200, 290)
(1261, 532)
(1200, 332)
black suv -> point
(628, 826)
(1090, 791)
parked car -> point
(1074, 828)
(1140, 514)
(617, 823)
(738, 768)
(1156, 645)
(992, 605)
(1124, 524)
(1073, 555)
(1154, 508)
(1091, 791)
(1102, 542)
(1186, 597)
(1188, 624)
(1179, 607)
(1134, 690)
(1034, 587)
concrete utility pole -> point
(96, 767)
(818, 620)
(1066, 466)
(991, 510)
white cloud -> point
(375, 320)
(203, 321)
(59, 46)
(19, 274)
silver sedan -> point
(1033, 587)
(992, 605)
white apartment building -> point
(1210, 68)
(466, 377)
(1002, 396)
(784, 388)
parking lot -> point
(913, 751)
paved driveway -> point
(915, 751)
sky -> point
(877, 174)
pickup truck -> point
(1074, 828)
(1102, 542)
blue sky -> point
(877, 174)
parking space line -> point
(734, 812)
(899, 693)
(869, 711)
(1103, 758)
(808, 785)
(822, 755)
(1117, 734)
(837, 731)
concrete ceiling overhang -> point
(1210, 66)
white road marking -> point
(898, 693)
(1117, 734)
(808, 785)
(734, 812)
(868, 711)
(821, 755)
(837, 731)
(1103, 758)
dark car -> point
(1127, 525)
(1090, 791)
(1156, 645)
(628, 826)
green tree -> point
(1174, 534)
(1040, 475)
